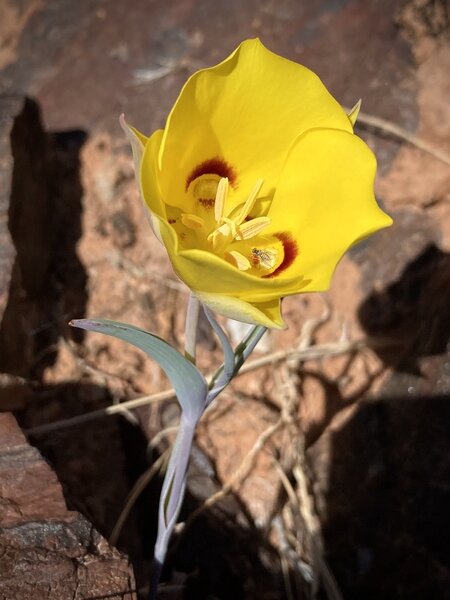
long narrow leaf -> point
(173, 487)
(189, 384)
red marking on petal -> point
(212, 166)
(172, 221)
(206, 202)
(290, 253)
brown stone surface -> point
(10, 107)
(89, 61)
(49, 552)
(41, 277)
(382, 474)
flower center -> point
(232, 234)
(204, 191)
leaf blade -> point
(187, 381)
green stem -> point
(191, 328)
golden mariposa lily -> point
(257, 185)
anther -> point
(192, 221)
(250, 202)
(221, 196)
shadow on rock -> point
(385, 492)
(387, 499)
(410, 319)
(47, 284)
(222, 555)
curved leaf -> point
(189, 384)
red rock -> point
(49, 552)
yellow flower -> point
(257, 185)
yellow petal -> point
(145, 152)
(205, 272)
(325, 202)
(150, 175)
(247, 111)
(267, 314)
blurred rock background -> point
(348, 483)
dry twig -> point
(135, 492)
(238, 476)
(400, 133)
(312, 353)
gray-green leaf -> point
(187, 381)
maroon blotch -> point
(206, 202)
(213, 166)
(290, 253)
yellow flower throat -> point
(231, 234)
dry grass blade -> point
(160, 435)
(238, 476)
(115, 409)
(286, 577)
(305, 503)
(402, 134)
(312, 353)
(136, 491)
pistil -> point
(235, 228)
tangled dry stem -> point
(304, 522)
(296, 524)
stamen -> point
(214, 239)
(239, 260)
(220, 237)
(192, 221)
(230, 224)
(251, 228)
(223, 234)
(239, 227)
(221, 196)
(250, 202)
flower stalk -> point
(256, 188)
(174, 485)
(191, 328)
